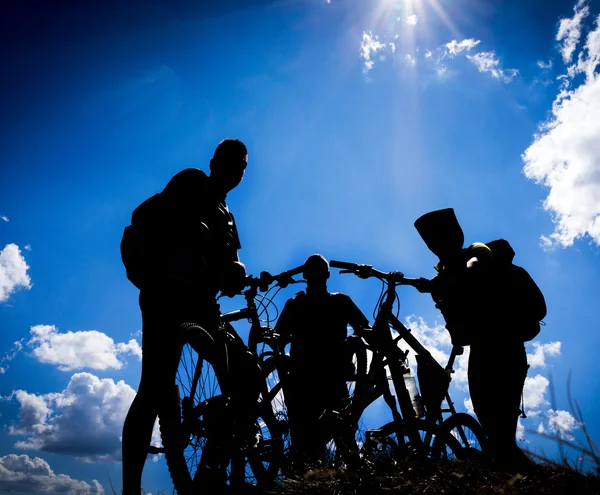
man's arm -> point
(355, 317)
(285, 323)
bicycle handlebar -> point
(265, 279)
(344, 265)
(367, 271)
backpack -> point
(522, 300)
(140, 244)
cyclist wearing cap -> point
(189, 243)
(316, 325)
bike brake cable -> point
(379, 300)
(397, 298)
(273, 304)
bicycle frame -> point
(395, 359)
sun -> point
(412, 12)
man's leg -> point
(160, 358)
(345, 427)
(483, 389)
(509, 453)
(137, 434)
(495, 390)
(302, 420)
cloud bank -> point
(85, 420)
(565, 155)
(22, 474)
(79, 350)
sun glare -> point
(412, 12)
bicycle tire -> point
(449, 444)
(200, 415)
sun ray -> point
(441, 13)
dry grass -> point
(584, 452)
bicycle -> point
(420, 428)
(219, 426)
(270, 349)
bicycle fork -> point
(396, 361)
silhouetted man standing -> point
(472, 294)
(187, 252)
(316, 324)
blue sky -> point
(359, 117)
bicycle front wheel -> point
(204, 446)
(460, 437)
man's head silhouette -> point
(316, 271)
(228, 164)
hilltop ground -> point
(437, 477)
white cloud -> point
(488, 62)
(540, 351)
(428, 54)
(10, 355)
(369, 46)
(78, 350)
(569, 31)
(20, 473)
(561, 423)
(410, 60)
(435, 339)
(565, 154)
(13, 271)
(534, 393)
(441, 71)
(392, 47)
(544, 65)
(85, 420)
(469, 406)
(460, 378)
(27, 247)
(521, 431)
(4, 217)
(412, 19)
(589, 57)
(455, 47)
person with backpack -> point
(180, 251)
(493, 306)
(315, 323)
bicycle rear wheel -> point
(460, 437)
(203, 443)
